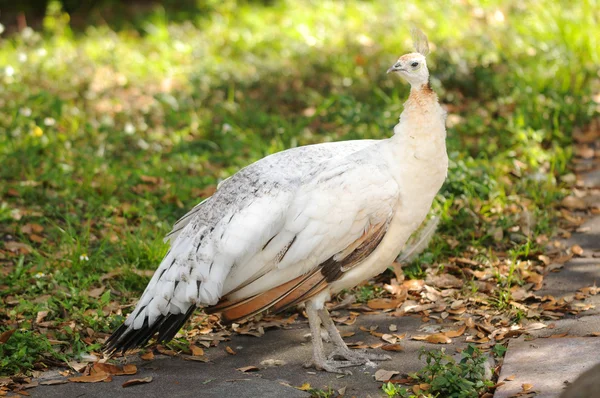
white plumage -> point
(301, 225)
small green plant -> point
(394, 390)
(451, 379)
(323, 393)
(499, 350)
(414, 270)
(448, 378)
(22, 351)
(366, 293)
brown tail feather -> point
(310, 287)
(232, 311)
(281, 297)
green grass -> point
(109, 135)
(443, 376)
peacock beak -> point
(395, 68)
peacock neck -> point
(422, 115)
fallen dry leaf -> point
(97, 292)
(527, 386)
(18, 247)
(383, 303)
(95, 378)
(456, 333)
(40, 316)
(53, 382)
(510, 378)
(149, 356)
(149, 179)
(6, 335)
(558, 336)
(194, 358)
(36, 238)
(573, 203)
(271, 363)
(133, 382)
(165, 351)
(114, 370)
(245, 369)
(436, 338)
(413, 284)
(196, 351)
(389, 338)
(536, 326)
(392, 347)
(576, 250)
(230, 350)
(385, 375)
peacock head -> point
(413, 67)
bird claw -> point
(359, 356)
(332, 366)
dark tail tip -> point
(126, 338)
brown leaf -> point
(510, 378)
(53, 382)
(115, 370)
(573, 203)
(133, 382)
(18, 247)
(165, 351)
(77, 366)
(526, 386)
(444, 281)
(196, 351)
(148, 356)
(576, 250)
(143, 272)
(536, 279)
(389, 338)
(6, 335)
(230, 350)
(129, 369)
(149, 179)
(385, 375)
(37, 228)
(383, 303)
(100, 376)
(36, 238)
(40, 316)
(392, 347)
(271, 363)
(456, 333)
(111, 274)
(97, 292)
(413, 284)
(193, 358)
(436, 338)
(536, 326)
(558, 336)
(245, 369)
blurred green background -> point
(116, 118)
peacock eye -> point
(414, 64)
